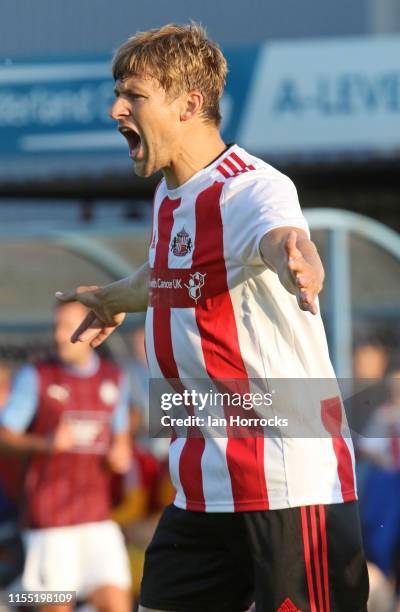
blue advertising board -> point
(62, 107)
(298, 99)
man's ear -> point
(193, 104)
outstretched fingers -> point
(88, 329)
(92, 330)
(303, 275)
(99, 323)
(291, 247)
(66, 296)
(306, 302)
(77, 295)
(101, 336)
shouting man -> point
(230, 289)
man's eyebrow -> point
(134, 90)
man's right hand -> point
(100, 322)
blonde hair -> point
(181, 58)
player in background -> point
(70, 416)
(11, 471)
(380, 446)
(230, 289)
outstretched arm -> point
(108, 305)
(294, 257)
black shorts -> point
(309, 559)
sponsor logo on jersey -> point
(177, 288)
(57, 392)
(181, 244)
(90, 430)
(159, 283)
(108, 392)
(196, 282)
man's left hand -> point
(306, 275)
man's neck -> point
(198, 150)
(86, 366)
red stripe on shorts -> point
(317, 566)
(307, 559)
(324, 547)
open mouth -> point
(134, 140)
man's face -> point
(150, 121)
(370, 361)
(66, 320)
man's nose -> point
(119, 109)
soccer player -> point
(230, 289)
(69, 417)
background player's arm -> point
(294, 257)
(19, 412)
(119, 456)
(18, 443)
(108, 305)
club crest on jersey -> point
(181, 244)
(108, 392)
(57, 392)
(196, 282)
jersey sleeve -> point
(253, 205)
(120, 418)
(20, 409)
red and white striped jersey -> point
(216, 311)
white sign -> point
(332, 95)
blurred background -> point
(313, 88)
